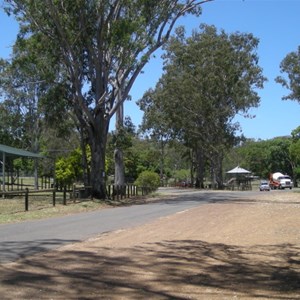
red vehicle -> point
(279, 181)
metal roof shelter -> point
(241, 178)
(15, 152)
(238, 170)
(11, 152)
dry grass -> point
(41, 206)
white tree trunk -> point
(118, 153)
(119, 167)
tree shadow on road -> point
(176, 269)
(13, 251)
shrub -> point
(149, 180)
(69, 169)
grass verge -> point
(13, 210)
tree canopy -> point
(208, 79)
(291, 66)
(95, 50)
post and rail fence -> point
(114, 193)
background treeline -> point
(173, 160)
(63, 85)
(176, 165)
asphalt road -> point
(27, 238)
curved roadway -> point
(24, 239)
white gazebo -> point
(238, 170)
(239, 178)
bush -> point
(68, 169)
(149, 180)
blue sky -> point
(275, 23)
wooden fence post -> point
(113, 192)
(54, 198)
(74, 193)
(26, 199)
(65, 195)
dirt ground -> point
(239, 249)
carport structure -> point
(13, 153)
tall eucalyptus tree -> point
(101, 47)
(209, 78)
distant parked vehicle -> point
(264, 186)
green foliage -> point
(121, 138)
(294, 150)
(291, 67)
(69, 169)
(209, 78)
(139, 155)
(148, 179)
(296, 175)
(296, 134)
(279, 155)
(26, 82)
(92, 51)
(145, 155)
(182, 175)
(265, 156)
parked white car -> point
(264, 186)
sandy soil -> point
(241, 249)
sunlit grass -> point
(41, 206)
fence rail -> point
(126, 191)
(114, 192)
(15, 183)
